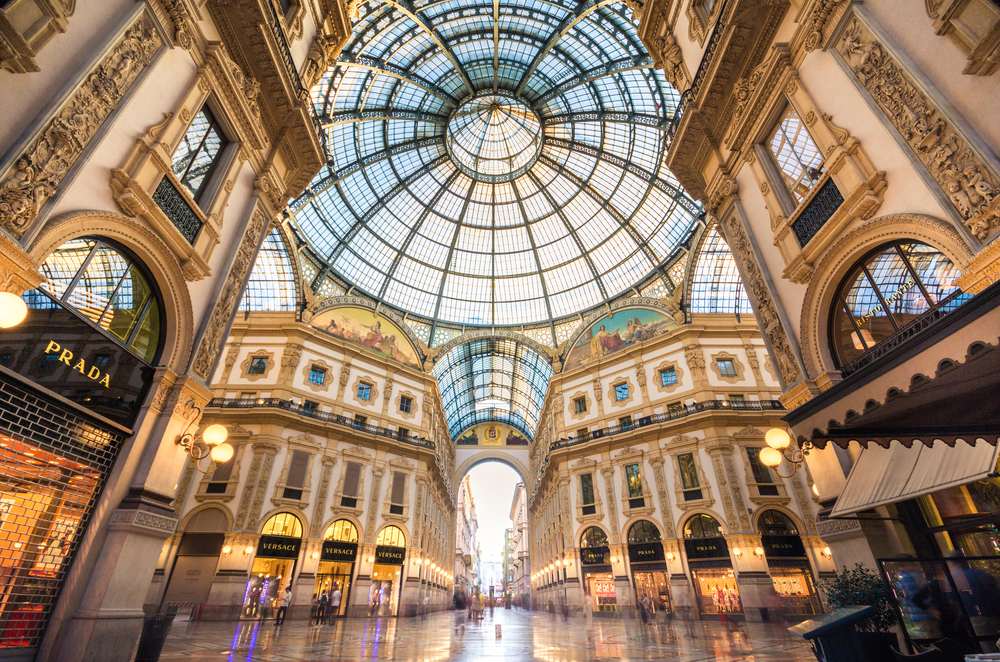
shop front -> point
(73, 376)
(649, 567)
(788, 566)
(336, 563)
(273, 566)
(598, 577)
(711, 568)
(387, 572)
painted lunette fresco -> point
(360, 327)
(612, 334)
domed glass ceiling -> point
(494, 163)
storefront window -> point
(702, 526)
(649, 570)
(274, 564)
(887, 290)
(390, 553)
(336, 566)
(788, 565)
(711, 567)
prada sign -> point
(706, 548)
(783, 546)
(594, 555)
(645, 552)
(334, 550)
(278, 547)
(385, 555)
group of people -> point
(325, 606)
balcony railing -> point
(327, 417)
(819, 210)
(284, 52)
(916, 326)
(173, 204)
(674, 413)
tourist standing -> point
(324, 603)
(335, 603)
(282, 601)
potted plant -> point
(862, 586)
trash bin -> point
(834, 636)
(154, 634)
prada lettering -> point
(66, 356)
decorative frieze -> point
(43, 165)
(966, 180)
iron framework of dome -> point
(494, 165)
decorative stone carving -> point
(182, 20)
(818, 20)
(965, 178)
(725, 493)
(43, 165)
(609, 485)
(667, 56)
(757, 290)
(673, 304)
(248, 487)
(741, 507)
(258, 499)
(218, 324)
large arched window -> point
(703, 526)
(272, 282)
(776, 523)
(594, 537)
(643, 531)
(391, 536)
(283, 524)
(342, 530)
(107, 286)
(886, 290)
(716, 286)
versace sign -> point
(385, 555)
(278, 547)
(334, 550)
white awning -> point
(888, 475)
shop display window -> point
(717, 591)
(268, 577)
(600, 588)
(656, 586)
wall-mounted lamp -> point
(777, 450)
(315, 555)
(738, 552)
(615, 560)
(371, 559)
(13, 310)
(226, 550)
(214, 436)
(758, 551)
(670, 556)
(815, 489)
(248, 550)
(827, 552)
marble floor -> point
(446, 636)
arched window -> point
(886, 290)
(643, 531)
(716, 286)
(702, 526)
(283, 524)
(391, 536)
(594, 537)
(776, 523)
(210, 520)
(272, 282)
(342, 530)
(108, 287)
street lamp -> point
(777, 450)
(13, 310)
(215, 446)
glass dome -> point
(494, 165)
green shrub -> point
(862, 586)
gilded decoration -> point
(737, 365)
(249, 360)
(588, 404)
(666, 366)
(43, 165)
(327, 375)
(963, 176)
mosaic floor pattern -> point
(444, 636)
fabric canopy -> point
(888, 475)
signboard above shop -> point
(706, 548)
(385, 555)
(341, 552)
(594, 555)
(783, 546)
(646, 552)
(278, 547)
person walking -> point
(282, 601)
(313, 609)
(424, 607)
(482, 605)
(335, 603)
(324, 603)
(647, 609)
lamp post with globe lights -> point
(215, 447)
(777, 450)
(13, 310)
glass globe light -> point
(214, 434)
(777, 438)
(770, 457)
(13, 310)
(222, 453)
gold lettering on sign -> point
(966, 180)
(43, 165)
(66, 356)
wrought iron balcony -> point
(327, 417)
(675, 413)
(819, 210)
(176, 207)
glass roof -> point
(272, 282)
(494, 165)
(492, 379)
(716, 286)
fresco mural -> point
(613, 334)
(359, 326)
(492, 434)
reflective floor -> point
(448, 636)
